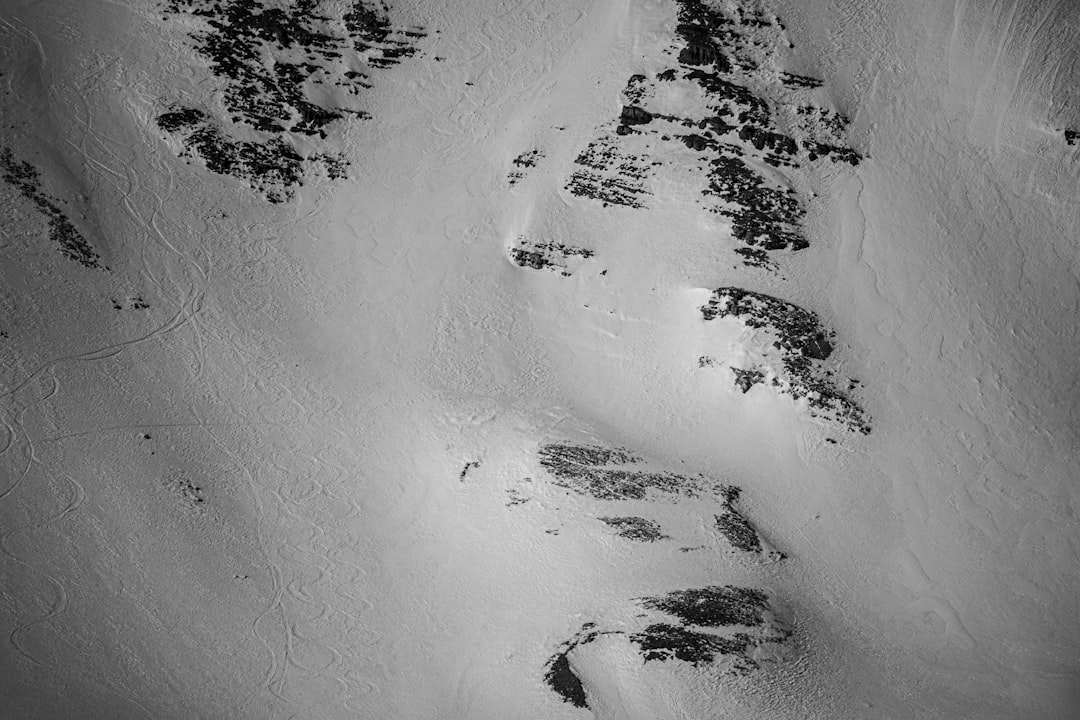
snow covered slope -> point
(539, 359)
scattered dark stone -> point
(756, 257)
(667, 75)
(762, 139)
(527, 159)
(611, 179)
(468, 466)
(610, 474)
(636, 528)
(185, 490)
(549, 255)
(746, 379)
(833, 152)
(799, 81)
(25, 178)
(516, 498)
(1071, 136)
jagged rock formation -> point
(278, 103)
(799, 344)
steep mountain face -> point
(672, 359)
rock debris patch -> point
(635, 528)
(522, 163)
(757, 122)
(735, 630)
(26, 179)
(792, 362)
(613, 474)
(553, 256)
(738, 531)
(289, 72)
(756, 632)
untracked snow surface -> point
(475, 360)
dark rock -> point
(633, 115)
(802, 342)
(695, 142)
(610, 474)
(703, 53)
(561, 678)
(798, 331)
(713, 606)
(549, 255)
(25, 178)
(834, 153)
(799, 81)
(253, 47)
(746, 379)
(636, 87)
(1071, 136)
(756, 257)
(762, 139)
(636, 528)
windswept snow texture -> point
(289, 72)
(801, 346)
(751, 128)
(25, 178)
